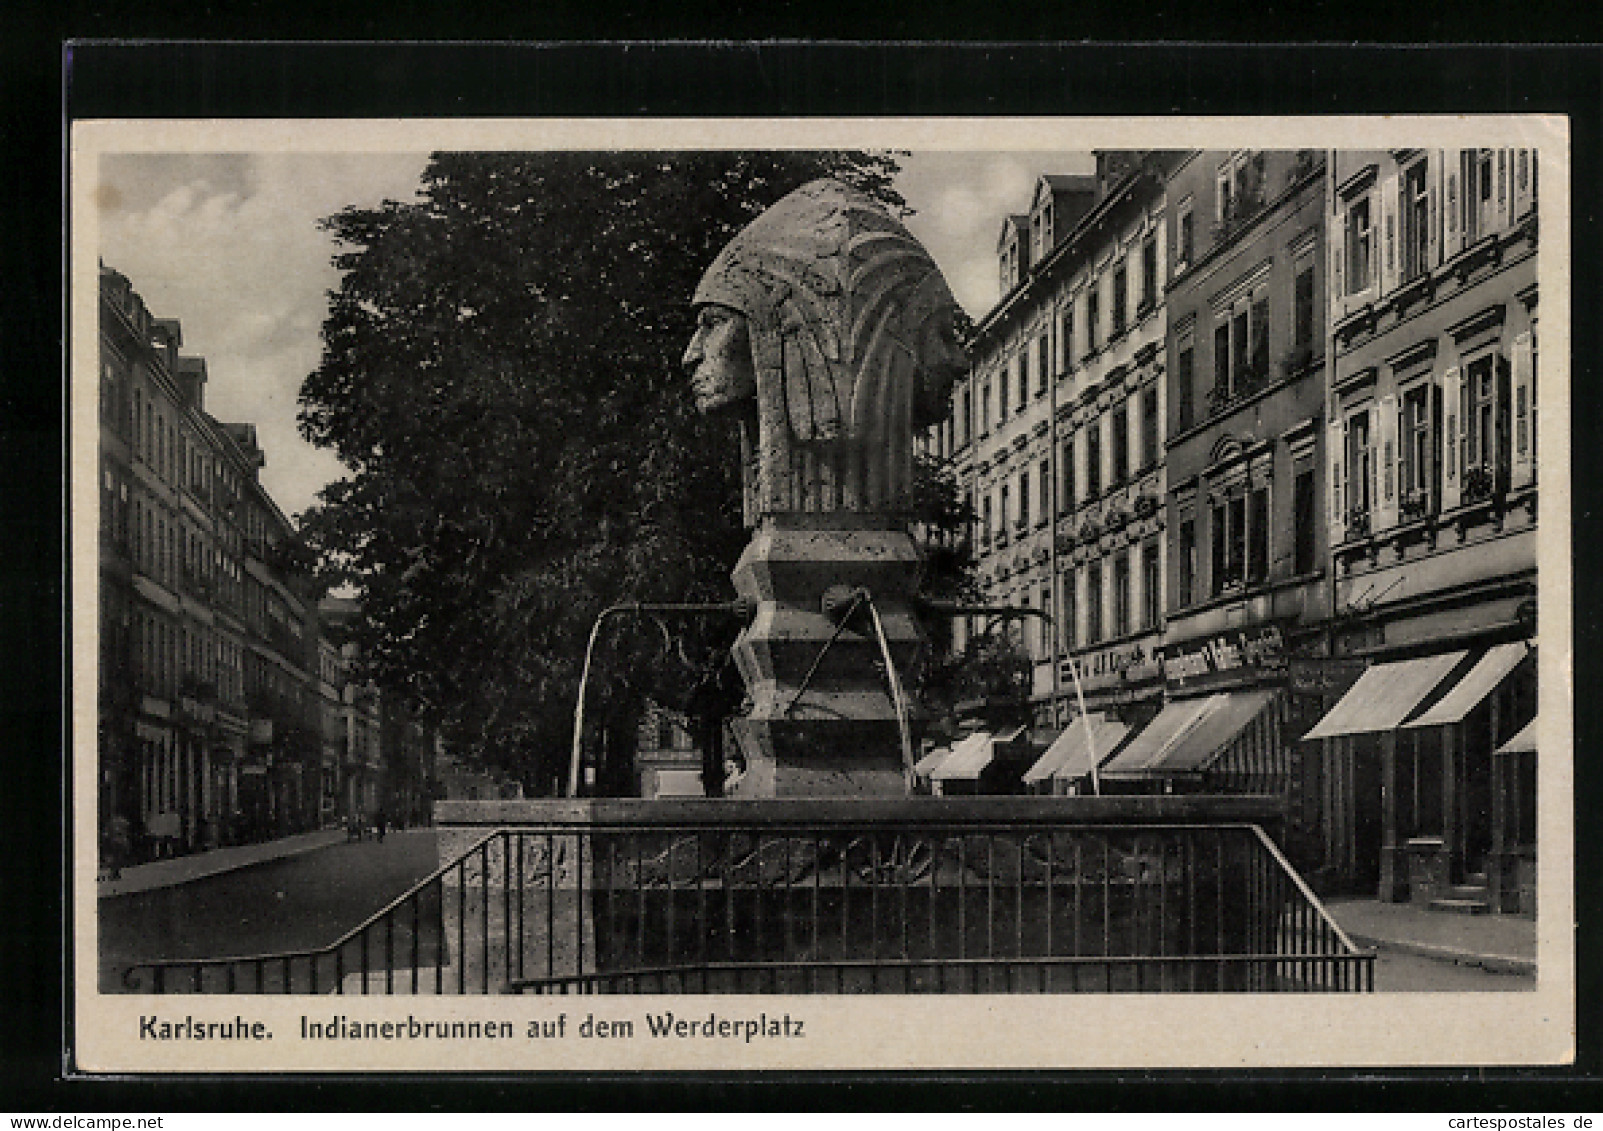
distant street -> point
(297, 902)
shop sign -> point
(1248, 651)
(1134, 662)
(1325, 675)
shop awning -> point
(1385, 695)
(1227, 716)
(926, 765)
(967, 759)
(1169, 727)
(1482, 680)
(1522, 743)
(1069, 756)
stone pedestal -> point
(823, 722)
(1429, 874)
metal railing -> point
(811, 899)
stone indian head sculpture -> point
(828, 330)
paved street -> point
(300, 901)
(1405, 973)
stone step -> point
(1460, 906)
(1470, 891)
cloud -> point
(229, 246)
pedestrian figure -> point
(379, 825)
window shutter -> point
(1500, 191)
(1335, 444)
(1433, 182)
(1338, 289)
(1386, 463)
(1523, 464)
(1386, 235)
(1451, 477)
(1453, 204)
(1524, 162)
(1374, 460)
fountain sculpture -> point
(827, 331)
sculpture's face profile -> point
(719, 359)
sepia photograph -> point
(831, 593)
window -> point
(1044, 482)
(1188, 562)
(1068, 339)
(1151, 585)
(1002, 397)
(1258, 536)
(1415, 208)
(1303, 520)
(1093, 460)
(1360, 245)
(1024, 376)
(1241, 348)
(1149, 273)
(1070, 608)
(1186, 238)
(1066, 499)
(1419, 433)
(1485, 408)
(985, 408)
(1239, 185)
(1092, 315)
(1003, 508)
(1121, 595)
(1360, 470)
(965, 416)
(1093, 603)
(1302, 321)
(1121, 294)
(1241, 539)
(1121, 446)
(986, 526)
(1185, 383)
(1149, 427)
(1024, 501)
(1043, 363)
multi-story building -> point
(1058, 433)
(1432, 482)
(361, 714)
(1246, 556)
(191, 570)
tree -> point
(500, 373)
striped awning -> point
(1522, 743)
(1472, 690)
(967, 759)
(1385, 695)
(1070, 755)
(1199, 730)
(1146, 749)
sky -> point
(229, 245)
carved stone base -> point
(823, 722)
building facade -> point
(214, 681)
(1431, 506)
(1058, 433)
(1247, 560)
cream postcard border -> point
(881, 1032)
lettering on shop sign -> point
(1128, 661)
(1256, 648)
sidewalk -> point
(199, 865)
(1505, 943)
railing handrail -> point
(1307, 892)
(892, 962)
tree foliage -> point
(500, 373)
